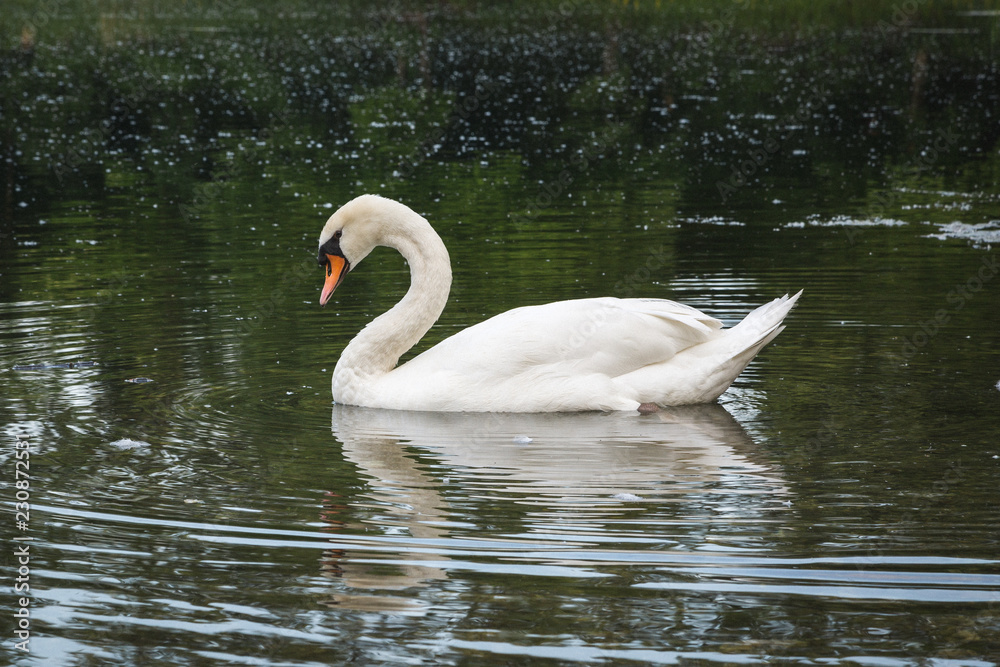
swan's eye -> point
(331, 247)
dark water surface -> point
(839, 506)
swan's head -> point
(354, 231)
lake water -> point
(196, 498)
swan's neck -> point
(376, 349)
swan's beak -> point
(336, 269)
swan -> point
(602, 353)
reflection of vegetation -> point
(80, 79)
(396, 126)
(563, 95)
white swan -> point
(584, 354)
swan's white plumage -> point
(585, 354)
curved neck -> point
(377, 348)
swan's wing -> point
(604, 336)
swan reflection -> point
(581, 476)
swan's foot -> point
(648, 408)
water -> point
(838, 506)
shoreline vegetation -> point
(719, 87)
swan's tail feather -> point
(756, 330)
(701, 373)
(771, 312)
(762, 324)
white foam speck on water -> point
(128, 443)
(845, 221)
(983, 232)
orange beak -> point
(336, 269)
